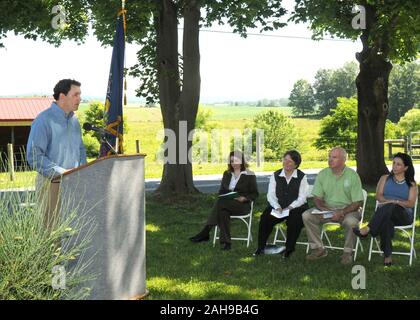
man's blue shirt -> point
(55, 142)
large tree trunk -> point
(177, 105)
(372, 93)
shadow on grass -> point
(180, 269)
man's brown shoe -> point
(317, 254)
(346, 258)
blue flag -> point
(114, 96)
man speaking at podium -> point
(55, 143)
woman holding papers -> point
(287, 192)
(396, 194)
(238, 188)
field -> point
(145, 125)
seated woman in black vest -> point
(235, 178)
(287, 192)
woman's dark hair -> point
(64, 86)
(295, 157)
(237, 154)
(409, 173)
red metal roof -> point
(22, 109)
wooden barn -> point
(16, 116)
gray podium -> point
(109, 193)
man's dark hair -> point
(64, 86)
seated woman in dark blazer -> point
(287, 192)
(235, 178)
(396, 194)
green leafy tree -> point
(165, 74)
(92, 146)
(33, 20)
(302, 98)
(330, 84)
(173, 77)
(410, 122)
(389, 32)
(95, 116)
(203, 119)
(404, 90)
(340, 128)
(391, 130)
(280, 134)
(324, 92)
(203, 124)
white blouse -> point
(303, 191)
(234, 180)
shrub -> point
(30, 255)
(391, 130)
(340, 128)
(280, 134)
(410, 122)
(91, 145)
(95, 116)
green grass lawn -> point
(180, 269)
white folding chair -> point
(279, 228)
(358, 242)
(403, 229)
(247, 219)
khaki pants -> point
(314, 222)
(47, 193)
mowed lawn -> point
(180, 269)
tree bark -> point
(178, 102)
(372, 93)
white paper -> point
(281, 214)
(325, 214)
(328, 215)
(229, 194)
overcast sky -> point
(232, 68)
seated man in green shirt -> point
(337, 189)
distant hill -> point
(282, 102)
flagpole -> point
(123, 11)
(125, 41)
(125, 78)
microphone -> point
(89, 127)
